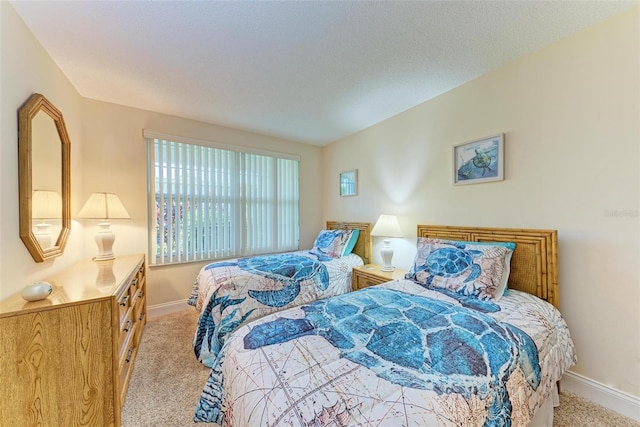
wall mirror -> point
(44, 178)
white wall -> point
(571, 116)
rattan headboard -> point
(363, 246)
(534, 266)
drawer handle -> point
(128, 327)
(134, 282)
(141, 294)
(128, 359)
(125, 301)
(141, 316)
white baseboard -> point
(621, 402)
(157, 310)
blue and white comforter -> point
(230, 293)
(390, 355)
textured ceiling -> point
(311, 71)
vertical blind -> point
(211, 202)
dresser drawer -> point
(141, 272)
(127, 356)
(140, 319)
(138, 297)
(126, 327)
(134, 286)
(139, 306)
(124, 305)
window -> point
(208, 202)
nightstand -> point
(370, 275)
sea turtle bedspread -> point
(397, 354)
(230, 293)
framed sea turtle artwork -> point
(481, 160)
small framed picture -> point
(479, 161)
(349, 183)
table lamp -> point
(104, 206)
(387, 226)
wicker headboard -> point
(534, 266)
(363, 246)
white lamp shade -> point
(387, 226)
(46, 205)
(103, 206)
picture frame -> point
(479, 161)
(349, 183)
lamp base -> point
(386, 252)
(104, 240)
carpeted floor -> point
(167, 381)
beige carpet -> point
(167, 381)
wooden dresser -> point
(67, 360)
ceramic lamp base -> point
(387, 255)
(104, 240)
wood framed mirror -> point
(44, 178)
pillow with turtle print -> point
(332, 244)
(469, 268)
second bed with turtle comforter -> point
(401, 353)
(230, 293)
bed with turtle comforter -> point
(446, 346)
(232, 292)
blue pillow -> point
(352, 242)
